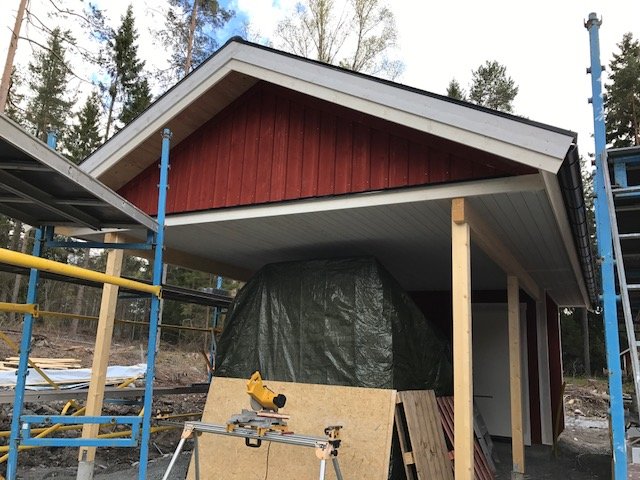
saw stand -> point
(326, 448)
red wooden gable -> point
(273, 144)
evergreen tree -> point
(124, 67)
(622, 104)
(84, 136)
(189, 32)
(491, 87)
(49, 106)
(454, 90)
(138, 97)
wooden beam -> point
(515, 377)
(104, 334)
(491, 244)
(462, 335)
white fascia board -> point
(519, 141)
(154, 119)
(521, 183)
(554, 195)
(538, 147)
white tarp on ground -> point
(72, 378)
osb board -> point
(366, 415)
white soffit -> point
(498, 134)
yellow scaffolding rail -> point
(28, 261)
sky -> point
(543, 44)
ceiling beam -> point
(483, 236)
(23, 165)
(27, 191)
(18, 214)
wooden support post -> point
(104, 334)
(462, 336)
(515, 378)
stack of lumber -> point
(11, 363)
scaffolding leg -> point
(21, 380)
(323, 468)
(336, 467)
(154, 315)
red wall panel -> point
(272, 144)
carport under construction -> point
(49, 192)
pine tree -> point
(189, 32)
(454, 90)
(50, 104)
(138, 97)
(622, 104)
(491, 87)
(124, 68)
(84, 136)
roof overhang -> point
(40, 187)
(239, 65)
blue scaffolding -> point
(20, 434)
(609, 254)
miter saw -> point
(263, 416)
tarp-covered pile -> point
(335, 322)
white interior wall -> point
(491, 368)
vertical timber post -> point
(155, 305)
(462, 336)
(104, 335)
(515, 378)
(25, 346)
(605, 253)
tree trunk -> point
(113, 92)
(79, 303)
(8, 65)
(585, 339)
(192, 31)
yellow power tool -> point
(263, 397)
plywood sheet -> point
(366, 415)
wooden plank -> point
(366, 414)
(462, 365)
(426, 435)
(515, 375)
(104, 333)
(491, 244)
(403, 439)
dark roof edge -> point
(571, 185)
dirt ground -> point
(583, 448)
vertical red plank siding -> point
(293, 183)
(272, 144)
(555, 364)
(280, 146)
(251, 150)
(311, 151)
(327, 156)
(266, 154)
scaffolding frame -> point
(140, 425)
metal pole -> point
(155, 306)
(176, 454)
(323, 468)
(216, 317)
(25, 346)
(336, 467)
(605, 252)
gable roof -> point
(239, 64)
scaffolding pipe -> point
(29, 261)
(23, 308)
(154, 314)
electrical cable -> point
(266, 470)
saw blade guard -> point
(263, 397)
